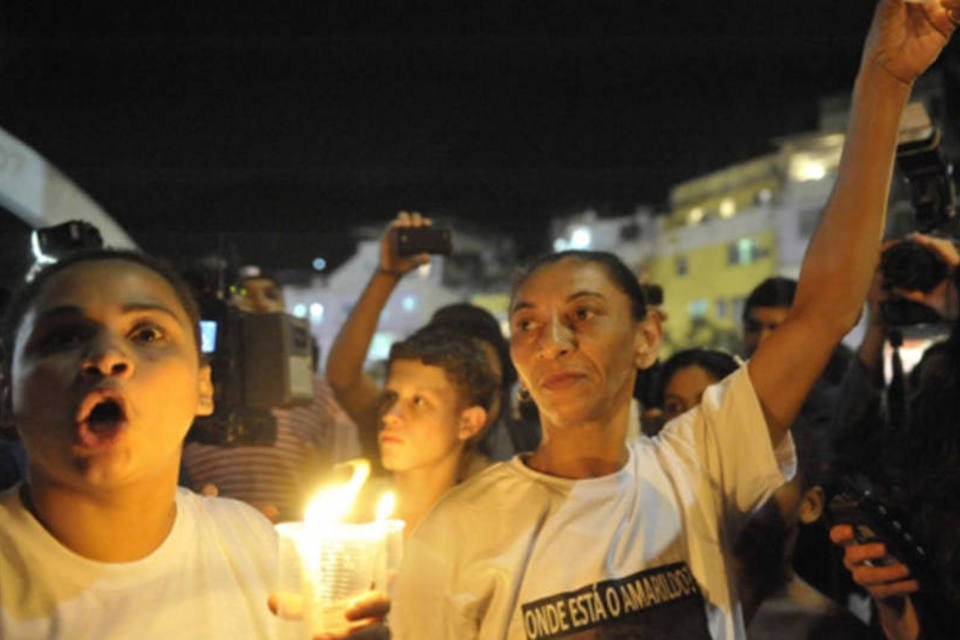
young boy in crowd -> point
(438, 393)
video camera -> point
(260, 361)
(929, 176)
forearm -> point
(839, 264)
(842, 254)
(898, 618)
(349, 350)
(870, 352)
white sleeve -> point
(724, 448)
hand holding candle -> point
(334, 565)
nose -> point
(558, 339)
(105, 358)
(389, 410)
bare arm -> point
(870, 352)
(356, 392)
(904, 39)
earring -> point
(523, 394)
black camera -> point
(930, 179)
(61, 240)
(856, 504)
(260, 361)
(908, 265)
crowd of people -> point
(534, 505)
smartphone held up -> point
(409, 241)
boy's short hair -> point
(479, 323)
(460, 356)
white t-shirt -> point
(208, 580)
(640, 553)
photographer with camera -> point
(905, 442)
(277, 477)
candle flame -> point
(386, 505)
(333, 504)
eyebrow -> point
(67, 310)
(585, 293)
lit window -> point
(806, 167)
(695, 215)
(727, 208)
(380, 345)
(743, 251)
(698, 309)
(581, 238)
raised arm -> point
(356, 392)
(904, 39)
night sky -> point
(274, 131)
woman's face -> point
(106, 377)
(575, 343)
(684, 390)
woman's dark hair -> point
(619, 273)
(28, 291)
(718, 364)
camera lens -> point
(907, 265)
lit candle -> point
(337, 561)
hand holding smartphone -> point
(409, 241)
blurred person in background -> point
(681, 381)
(904, 439)
(778, 604)
(766, 308)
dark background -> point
(274, 131)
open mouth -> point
(101, 418)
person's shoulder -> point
(11, 507)
(507, 472)
(223, 513)
(496, 491)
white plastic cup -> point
(393, 550)
(331, 565)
